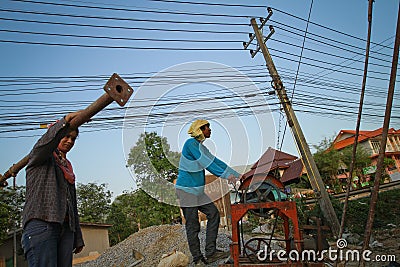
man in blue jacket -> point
(190, 185)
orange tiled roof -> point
(363, 135)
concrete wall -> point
(95, 237)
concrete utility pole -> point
(307, 158)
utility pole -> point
(307, 158)
(360, 107)
(385, 130)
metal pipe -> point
(116, 89)
(360, 108)
(385, 129)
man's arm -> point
(208, 161)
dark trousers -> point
(47, 244)
(190, 212)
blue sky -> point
(56, 58)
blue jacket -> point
(194, 160)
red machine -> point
(264, 196)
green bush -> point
(386, 212)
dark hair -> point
(74, 130)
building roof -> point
(273, 159)
(340, 142)
(293, 172)
(101, 225)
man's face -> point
(67, 142)
(206, 131)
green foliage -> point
(132, 211)
(11, 205)
(306, 211)
(152, 156)
(304, 182)
(155, 166)
(388, 163)
(93, 202)
(122, 218)
(362, 159)
(3, 221)
(387, 212)
(329, 161)
(303, 211)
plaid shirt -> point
(49, 197)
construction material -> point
(152, 243)
(116, 90)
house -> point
(370, 141)
(95, 236)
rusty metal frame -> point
(286, 210)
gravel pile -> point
(152, 243)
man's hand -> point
(233, 179)
(78, 250)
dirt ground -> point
(386, 251)
(390, 240)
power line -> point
(122, 38)
(119, 27)
(208, 4)
(137, 10)
(122, 19)
(325, 27)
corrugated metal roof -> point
(273, 159)
(293, 172)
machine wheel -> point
(261, 192)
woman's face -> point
(67, 142)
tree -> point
(93, 202)
(155, 166)
(122, 219)
(11, 206)
(133, 211)
(152, 155)
(362, 159)
(329, 160)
